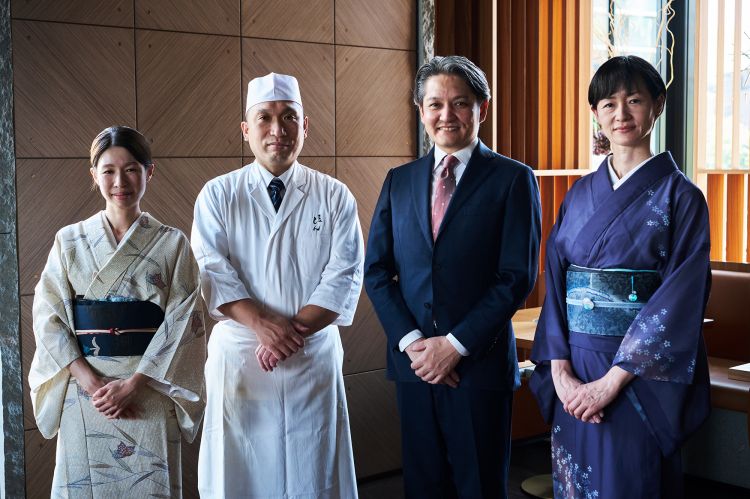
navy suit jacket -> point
(472, 279)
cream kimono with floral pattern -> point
(97, 457)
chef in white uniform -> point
(280, 253)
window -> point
(632, 27)
(722, 122)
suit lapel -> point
(473, 177)
(420, 193)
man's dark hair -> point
(452, 65)
(121, 136)
(625, 71)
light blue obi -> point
(605, 302)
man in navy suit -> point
(452, 253)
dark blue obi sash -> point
(605, 302)
(115, 328)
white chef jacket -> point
(286, 433)
(309, 253)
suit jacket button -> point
(428, 306)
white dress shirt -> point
(463, 156)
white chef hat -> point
(272, 87)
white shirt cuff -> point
(409, 338)
(456, 344)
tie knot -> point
(276, 192)
(276, 184)
(449, 165)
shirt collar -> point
(267, 176)
(464, 155)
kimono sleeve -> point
(341, 281)
(220, 281)
(175, 356)
(56, 346)
(662, 343)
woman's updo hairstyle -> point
(121, 136)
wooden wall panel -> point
(532, 80)
(561, 189)
(87, 75)
(364, 341)
(110, 13)
(584, 27)
(716, 199)
(313, 66)
(556, 83)
(385, 24)
(323, 164)
(364, 177)
(503, 95)
(51, 193)
(736, 216)
(374, 114)
(188, 103)
(171, 193)
(303, 20)
(373, 414)
(546, 191)
(221, 17)
(28, 346)
(543, 89)
(40, 464)
(570, 68)
(520, 86)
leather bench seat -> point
(728, 338)
(727, 393)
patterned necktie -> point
(276, 191)
(444, 189)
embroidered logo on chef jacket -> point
(317, 223)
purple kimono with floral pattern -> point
(657, 220)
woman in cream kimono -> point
(120, 343)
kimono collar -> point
(114, 261)
(618, 181)
(609, 204)
(652, 170)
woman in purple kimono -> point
(621, 367)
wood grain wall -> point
(177, 70)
